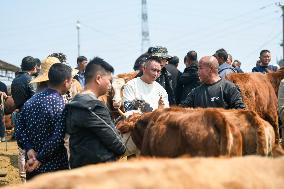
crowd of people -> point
(60, 123)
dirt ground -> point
(9, 163)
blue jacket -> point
(265, 69)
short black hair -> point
(96, 65)
(264, 51)
(222, 53)
(192, 56)
(38, 62)
(28, 63)
(81, 59)
(58, 73)
(174, 60)
(153, 58)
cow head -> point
(117, 86)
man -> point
(189, 78)
(172, 67)
(21, 89)
(230, 59)
(41, 126)
(214, 91)
(224, 68)
(38, 66)
(81, 65)
(3, 94)
(93, 137)
(146, 89)
(264, 67)
(237, 65)
(165, 79)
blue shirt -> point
(225, 69)
(81, 78)
(41, 126)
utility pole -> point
(282, 44)
(78, 26)
(282, 7)
(145, 29)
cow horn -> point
(121, 112)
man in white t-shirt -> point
(145, 89)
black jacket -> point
(175, 74)
(188, 80)
(93, 136)
(222, 94)
(166, 81)
(21, 89)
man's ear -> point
(98, 79)
(66, 81)
(143, 68)
(34, 69)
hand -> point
(31, 154)
(4, 95)
(32, 164)
(161, 103)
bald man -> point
(214, 91)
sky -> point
(111, 29)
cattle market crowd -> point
(66, 118)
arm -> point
(30, 89)
(179, 90)
(234, 97)
(165, 99)
(189, 100)
(99, 122)
(22, 137)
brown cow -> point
(169, 133)
(182, 173)
(197, 133)
(259, 92)
(257, 134)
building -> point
(7, 72)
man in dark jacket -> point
(172, 67)
(214, 91)
(21, 89)
(93, 136)
(189, 79)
